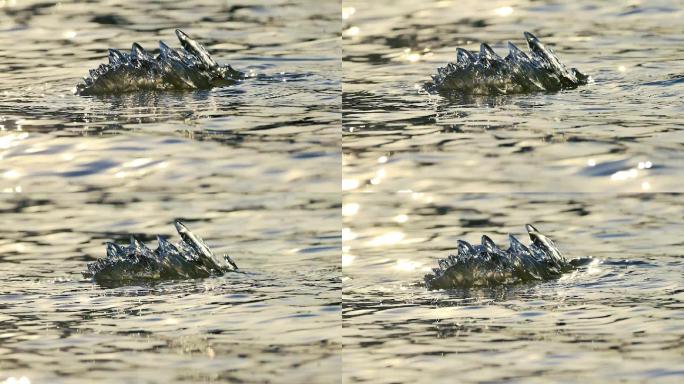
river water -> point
(621, 133)
(421, 171)
(618, 319)
(255, 170)
(252, 168)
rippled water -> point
(622, 133)
(621, 318)
(279, 127)
(252, 168)
(255, 169)
(421, 171)
(280, 318)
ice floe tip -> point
(180, 227)
(488, 243)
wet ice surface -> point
(618, 318)
(621, 133)
(249, 167)
(278, 319)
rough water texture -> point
(190, 68)
(190, 258)
(486, 73)
(488, 265)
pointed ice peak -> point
(516, 246)
(165, 246)
(167, 52)
(532, 41)
(193, 240)
(464, 56)
(114, 250)
(488, 244)
(516, 52)
(137, 244)
(230, 262)
(115, 56)
(464, 248)
(546, 54)
(488, 53)
(489, 265)
(543, 243)
(196, 49)
(138, 52)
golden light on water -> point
(348, 234)
(379, 175)
(633, 173)
(644, 165)
(7, 3)
(628, 174)
(624, 175)
(422, 197)
(10, 140)
(405, 265)
(137, 162)
(17, 380)
(389, 238)
(411, 56)
(350, 209)
(15, 189)
(11, 174)
(401, 218)
(414, 56)
(348, 184)
(351, 31)
(503, 11)
(348, 12)
(347, 259)
(69, 34)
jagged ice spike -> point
(486, 73)
(488, 265)
(196, 49)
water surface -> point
(279, 127)
(619, 319)
(279, 319)
(251, 168)
(621, 133)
